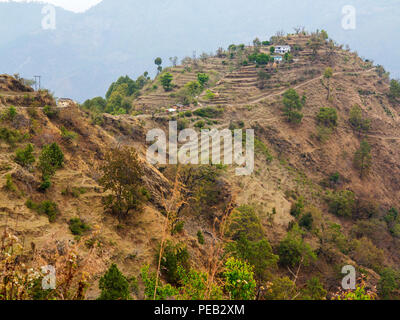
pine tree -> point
(114, 285)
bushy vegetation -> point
(249, 243)
(209, 112)
(166, 81)
(78, 227)
(11, 136)
(114, 285)
(174, 256)
(327, 117)
(341, 203)
(25, 157)
(122, 174)
(51, 158)
(357, 121)
(119, 96)
(294, 251)
(239, 280)
(49, 208)
(292, 106)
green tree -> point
(272, 50)
(294, 251)
(357, 121)
(114, 285)
(122, 175)
(363, 158)
(314, 290)
(239, 280)
(166, 81)
(389, 284)
(25, 157)
(262, 59)
(50, 159)
(203, 79)
(195, 285)
(292, 106)
(158, 63)
(327, 117)
(341, 203)
(174, 256)
(395, 88)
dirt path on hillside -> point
(297, 87)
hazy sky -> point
(71, 5)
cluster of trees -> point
(119, 96)
(192, 89)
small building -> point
(278, 59)
(171, 110)
(282, 49)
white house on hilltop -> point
(282, 49)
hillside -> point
(307, 198)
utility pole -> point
(37, 82)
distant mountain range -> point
(88, 51)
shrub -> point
(297, 208)
(357, 121)
(239, 280)
(306, 221)
(178, 227)
(203, 79)
(327, 117)
(293, 250)
(50, 112)
(49, 208)
(259, 254)
(45, 184)
(10, 186)
(174, 255)
(50, 159)
(244, 223)
(314, 290)
(163, 292)
(365, 253)
(389, 284)
(10, 113)
(281, 289)
(25, 157)
(195, 286)
(200, 124)
(395, 88)
(78, 227)
(66, 135)
(114, 285)
(292, 106)
(209, 112)
(166, 81)
(200, 237)
(11, 136)
(341, 203)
